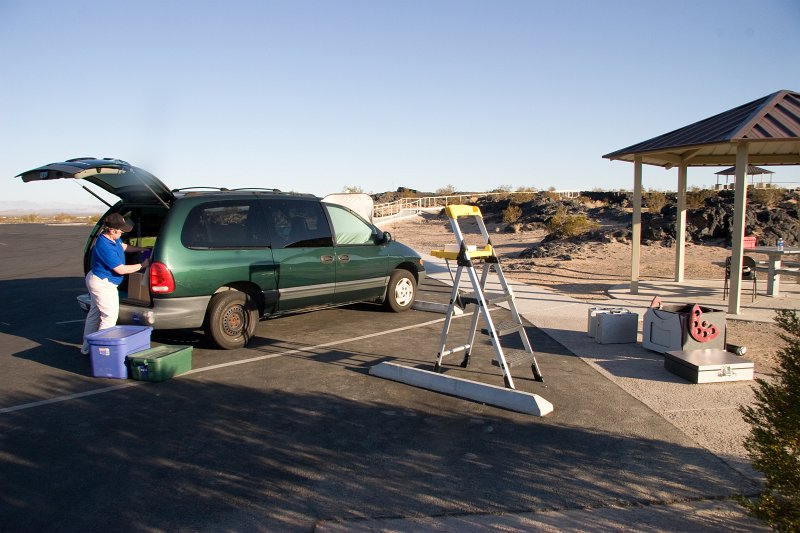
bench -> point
(783, 271)
(789, 271)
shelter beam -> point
(636, 237)
(754, 159)
(737, 237)
(680, 225)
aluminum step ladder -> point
(466, 255)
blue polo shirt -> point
(106, 256)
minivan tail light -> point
(161, 280)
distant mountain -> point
(35, 208)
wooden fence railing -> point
(431, 202)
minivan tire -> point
(231, 319)
(401, 291)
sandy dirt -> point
(589, 273)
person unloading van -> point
(107, 271)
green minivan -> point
(223, 258)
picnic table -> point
(774, 270)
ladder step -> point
(490, 297)
(504, 328)
(457, 349)
(516, 358)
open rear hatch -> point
(115, 176)
(145, 200)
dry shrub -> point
(562, 225)
(525, 197)
(512, 213)
(447, 190)
(550, 195)
(696, 198)
(586, 201)
(766, 197)
(524, 194)
(655, 200)
(503, 192)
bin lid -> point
(117, 334)
(158, 352)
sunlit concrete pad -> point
(514, 400)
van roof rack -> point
(222, 189)
(202, 187)
(199, 190)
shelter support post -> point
(636, 237)
(739, 206)
(680, 224)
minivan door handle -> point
(326, 259)
(344, 258)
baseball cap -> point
(116, 221)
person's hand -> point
(145, 263)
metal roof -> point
(770, 126)
(751, 170)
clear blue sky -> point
(314, 96)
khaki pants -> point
(104, 310)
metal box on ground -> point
(709, 366)
(617, 328)
(109, 347)
(594, 312)
(683, 327)
(160, 363)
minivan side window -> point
(298, 224)
(225, 224)
(348, 228)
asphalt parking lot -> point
(292, 433)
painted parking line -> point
(125, 385)
(312, 348)
(67, 397)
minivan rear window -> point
(225, 224)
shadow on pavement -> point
(213, 456)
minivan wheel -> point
(401, 291)
(231, 319)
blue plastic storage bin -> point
(109, 347)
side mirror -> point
(387, 237)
